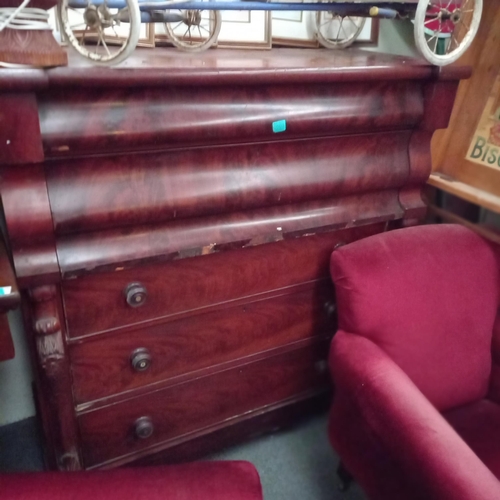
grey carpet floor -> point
(20, 447)
(294, 464)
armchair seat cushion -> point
(478, 424)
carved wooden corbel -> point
(47, 327)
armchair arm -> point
(434, 461)
(9, 299)
(494, 392)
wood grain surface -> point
(476, 183)
(199, 404)
(20, 138)
(102, 193)
(96, 303)
(29, 224)
(175, 117)
(118, 249)
(102, 367)
(159, 68)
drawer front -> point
(97, 303)
(232, 111)
(123, 361)
(88, 195)
(200, 405)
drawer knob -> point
(141, 359)
(143, 427)
(330, 309)
(321, 366)
(135, 294)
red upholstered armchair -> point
(196, 481)
(416, 364)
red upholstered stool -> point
(196, 481)
(416, 364)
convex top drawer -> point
(168, 118)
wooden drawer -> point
(186, 113)
(96, 303)
(88, 195)
(200, 405)
(105, 366)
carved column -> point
(439, 97)
(410, 197)
(54, 377)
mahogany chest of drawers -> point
(170, 225)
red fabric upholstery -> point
(428, 296)
(416, 312)
(196, 481)
(479, 425)
(389, 435)
(494, 392)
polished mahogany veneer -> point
(170, 118)
(95, 303)
(173, 412)
(111, 364)
(101, 193)
(171, 245)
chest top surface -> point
(170, 67)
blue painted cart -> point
(107, 31)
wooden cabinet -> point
(171, 224)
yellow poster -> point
(485, 146)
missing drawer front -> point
(95, 304)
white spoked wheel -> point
(335, 31)
(444, 29)
(197, 31)
(106, 36)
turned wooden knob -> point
(144, 427)
(135, 294)
(141, 359)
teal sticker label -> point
(279, 126)
(5, 290)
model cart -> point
(107, 31)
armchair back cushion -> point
(428, 297)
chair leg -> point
(345, 477)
